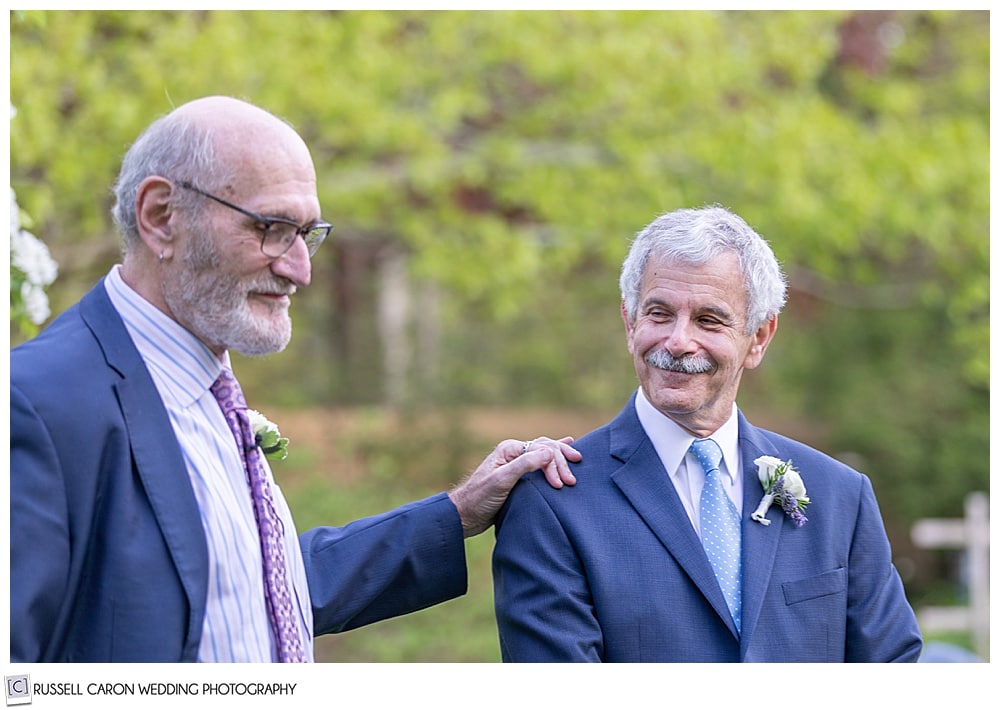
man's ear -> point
(761, 339)
(625, 316)
(629, 326)
(153, 210)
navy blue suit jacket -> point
(611, 569)
(108, 555)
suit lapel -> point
(647, 486)
(760, 542)
(158, 458)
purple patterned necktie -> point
(227, 391)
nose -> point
(294, 264)
(678, 340)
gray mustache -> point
(689, 365)
(282, 286)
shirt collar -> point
(672, 442)
(175, 357)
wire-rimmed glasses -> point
(278, 234)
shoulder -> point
(604, 451)
(820, 471)
(52, 352)
(67, 364)
(768, 442)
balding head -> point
(216, 142)
(197, 193)
(242, 132)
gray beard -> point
(214, 304)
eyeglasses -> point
(279, 234)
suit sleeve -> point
(544, 609)
(384, 566)
(881, 626)
(39, 552)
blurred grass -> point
(459, 630)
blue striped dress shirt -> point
(237, 627)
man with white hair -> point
(693, 535)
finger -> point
(533, 460)
(562, 444)
(508, 450)
(568, 451)
(546, 440)
(558, 472)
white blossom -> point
(36, 303)
(783, 485)
(767, 467)
(794, 485)
(31, 257)
(269, 439)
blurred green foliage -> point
(511, 155)
(504, 147)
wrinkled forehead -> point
(722, 261)
(719, 278)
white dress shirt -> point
(672, 443)
(237, 626)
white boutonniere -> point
(268, 438)
(782, 485)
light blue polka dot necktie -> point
(720, 527)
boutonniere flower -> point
(268, 438)
(782, 485)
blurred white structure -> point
(971, 535)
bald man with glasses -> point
(145, 523)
